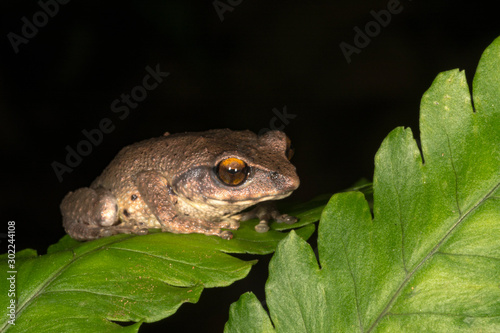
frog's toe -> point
(285, 218)
(230, 224)
(141, 231)
(226, 234)
(106, 232)
(262, 227)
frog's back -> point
(174, 153)
(137, 157)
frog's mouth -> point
(244, 202)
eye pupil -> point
(232, 171)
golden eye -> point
(232, 171)
(289, 149)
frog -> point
(190, 182)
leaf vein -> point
(120, 306)
(443, 314)
(218, 269)
(454, 173)
(354, 284)
(467, 255)
(38, 291)
(427, 257)
(401, 226)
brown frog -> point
(186, 183)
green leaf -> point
(307, 213)
(92, 286)
(429, 258)
(247, 316)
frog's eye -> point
(232, 171)
(289, 149)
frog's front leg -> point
(158, 195)
(266, 211)
(91, 213)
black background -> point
(223, 74)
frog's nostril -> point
(283, 182)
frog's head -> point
(237, 168)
